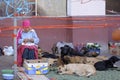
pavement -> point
(6, 62)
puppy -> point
(106, 64)
(78, 69)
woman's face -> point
(26, 29)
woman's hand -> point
(26, 40)
(31, 40)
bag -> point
(8, 50)
(1, 51)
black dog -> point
(106, 64)
(48, 55)
(67, 50)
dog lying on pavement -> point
(106, 64)
(78, 69)
(83, 60)
(93, 60)
(74, 59)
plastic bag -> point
(8, 50)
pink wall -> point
(98, 35)
(50, 36)
(76, 35)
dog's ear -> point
(114, 59)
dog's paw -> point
(115, 66)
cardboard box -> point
(36, 66)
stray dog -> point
(74, 59)
(56, 49)
(68, 51)
(82, 59)
(106, 64)
(51, 62)
(93, 60)
(48, 55)
(78, 69)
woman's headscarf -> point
(25, 24)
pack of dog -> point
(67, 50)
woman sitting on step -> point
(27, 41)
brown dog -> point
(93, 60)
(50, 61)
(79, 59)
(75, 59)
